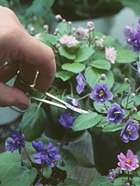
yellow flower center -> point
(128, 161)
(129, 131)
(101, 93)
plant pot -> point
(106, 147)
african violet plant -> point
(92, 74)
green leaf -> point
(48, 39)
(39, 6)
(131, 102)
(132, 4)
(82, 158)
(119, 181)
(126, 56)
(63, 75)
(101, 64)
(84, 53)
(33, 122)
(99, 107)
(100, 181)
(136, 116)
(86, 121)
(64, 28)
(112, 127)
(73, 67)
(109, 41)
(109, 80)
(47, 172)
(120, 88)
(92, 76)
(69, 182)
(12, 173)
(69, 161)
(63, 52)
(136, 181)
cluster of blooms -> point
(80, 33)
(15, 142)
(126, 163)
(115, 114)
(45, 155)
(133, 36)
(69, 41)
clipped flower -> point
(130, 131)
(16, 141)
(112, 175)
(128, 162)
(66, 120)
(74, 102)
(101, 93)
(133, 36)
(90, 25)
(45, 155)
(115, 113)
(111, 54)
(81, 83)
(81, 33)
(69, 41)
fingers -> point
(37, 57)
(12, 97)
(8, 71)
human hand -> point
(19, 50)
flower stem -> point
(85, 96)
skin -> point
(23, 52)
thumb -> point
(10, 96)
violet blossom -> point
(115, 113)
(16, 141)
(130, 132)
(81, 83)
(66, 120)
(128, 162)
(101, 93)
(45, 155)
(133, 36)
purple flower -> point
(45, 155)
(38, 145)
(133, 36)
(130, 131)
(115, 113)
(112, 175)
(66, 120)
(15, 142)
(101, 93)
(81, 83)
(74, 102)
(128, 162)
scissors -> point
(60, 103)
